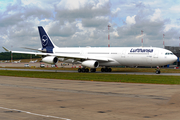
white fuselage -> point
(127, 56)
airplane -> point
(33, 61)
(17, 61)
(105, 57)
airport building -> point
(176, 51)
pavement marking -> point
(48, 116)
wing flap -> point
(32, 53)
(33, 49)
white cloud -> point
(99, 4)
(175, 9)
(72, 4)
(27, 2)
(115, 33)
(84, 22)
(114, 11)
(156, 16)
(171, 26)
(130, 20)
(79, 25)
(139, 36)
(77, 4)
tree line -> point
(7, 56)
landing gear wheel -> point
(93, 69)
(102, 70)
(109, 69)
(106, 69)
(83, 70)
(158, 71)
(79, 70)
(86, 70)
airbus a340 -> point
(94, 57)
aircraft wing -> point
(32, 53)
(66, 56)
(83, 57)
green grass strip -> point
(153, 79)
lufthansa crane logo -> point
(44, 40)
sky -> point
(81, 23)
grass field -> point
(153, 79)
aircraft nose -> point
(173, 58)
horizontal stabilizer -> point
(6, 49)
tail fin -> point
(46, 41)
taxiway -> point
(4, 66)
(50, 99)
(72, 71)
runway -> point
(72, 71)
(48, 99)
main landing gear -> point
(94, 70)
(86, 70)
(106, 69)
(83, 70)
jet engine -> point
(50, 59)
(90, 63)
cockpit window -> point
(168, 53)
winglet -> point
(6, 49)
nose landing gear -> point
(158, 70)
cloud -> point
(114, 11)
(175, 9)
(82, 11)
(84, 22)
(139, 36)
(130, 20)
(156, 16)
(71, 5)
(95, 22)
(115, 33)
(66, 30)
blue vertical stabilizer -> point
(47, 44)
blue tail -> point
(47, 44)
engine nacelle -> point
(90, 63)
(50, 59)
